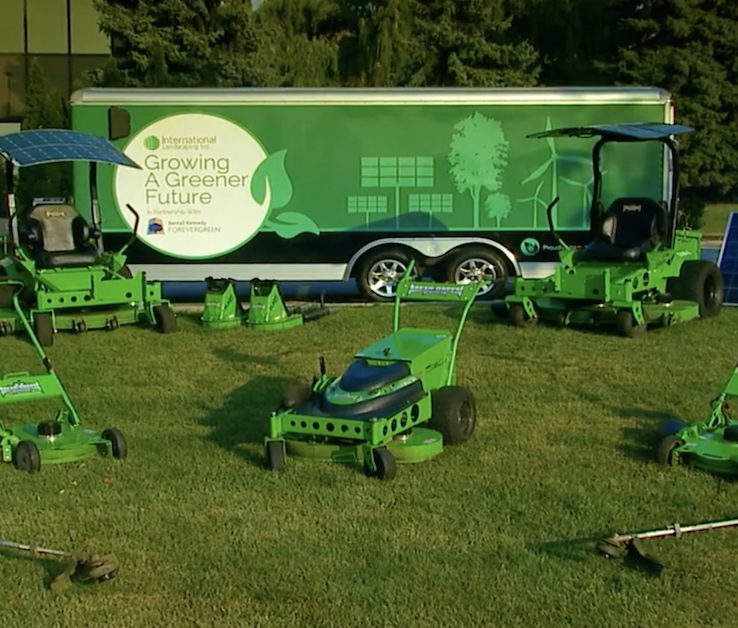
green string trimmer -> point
(86, 568)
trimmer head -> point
(88, 568)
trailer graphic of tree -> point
(478, 157)
(549, 169)
(390, 172)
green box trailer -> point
(330, 184)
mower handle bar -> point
(552, 228)
(132, 239)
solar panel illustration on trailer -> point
(728, 260)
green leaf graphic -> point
(290, 224)
(272, 169)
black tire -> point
(26, 457)
(44, 330)
(671, 427)
(699, 281)
(166, 321)
(275, 457)
(385, 463)
(518, 317)
(379, 272)
(730, 433)
(6, 295)
(665, 452)
(454, 414)
(118, 443)
(627, 326)
(476, 264)
(49, 428)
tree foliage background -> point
(689, 47)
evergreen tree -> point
(182, 43)
(468, 43)
(45, 109)
(690, 47)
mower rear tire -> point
(166, 322)
(665, 453)
(699, 281)
(385, 463)
(44, 329)
(730, 433)
(275, 455)
(454, 414)
(473, 265)
(118, 444)
(627, 325)
(26, 457)
(519, 318)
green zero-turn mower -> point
(711, 445)
(640, 269)
(60, 439)
(376, 413)
(267, 309)
(69, 281)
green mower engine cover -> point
(396, 402)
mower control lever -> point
(549, 216)
(132, 239)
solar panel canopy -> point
(728, 260)
(43, 146)
(624, 132)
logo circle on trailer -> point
(194, 189)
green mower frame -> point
(57, 440)
(267, 309)
(69, 282)
(711, 445)
(639, 270)
(375, 413)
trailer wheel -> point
(699, 281)
(473, 265)
(275, 455)
(118, 443)
(166, 322)
(627, 326)
(385, 463)
(379, 273)
(454, 414)
(26, 457)
(519, 318)
(665, 453)
(43, 329)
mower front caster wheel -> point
(26, 457)
(166, 322)
(384, 461)
(627, 325)
(275, 455)
(665, 453)
(519, 318)
(118, 444)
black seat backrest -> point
(56, 228)
(631, 221)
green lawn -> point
(499, 531)
(716, 218)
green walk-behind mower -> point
(396, 402)
(57, 440)
(69, 281)
(639, 269)
(711, 445)
(267, 309)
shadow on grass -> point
(640, 442)
(575, 550)
(51, 567)
(244, 416)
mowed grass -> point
(500, 531)
(715, 219)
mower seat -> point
(629, 228)
(58, 237)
